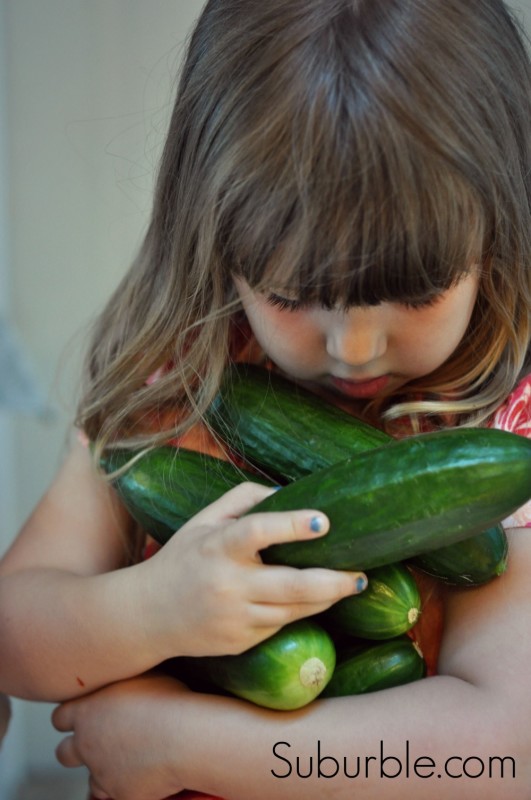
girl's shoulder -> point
(514, 415)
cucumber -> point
(388, 607)
(165, 487)
(406, 498)
(270, 420)
(385, 505)
(290, 432)
(474, 563)
(285, 672)
(369, 667)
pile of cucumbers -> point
(432, 501)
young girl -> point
(345, 196)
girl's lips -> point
(361, 389)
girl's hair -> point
(352, 151)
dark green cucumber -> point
(290, 432)
(286, 671)
(406, 498)
(474, 563)
(369, 667)
(269, 419)
(164, 487)
(389, 606)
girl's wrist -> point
(145, 599)
(200, 719)
(190, 723)
(212, 731)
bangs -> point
(383, 236)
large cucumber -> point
(472, 562)
(385, 505)
(286, 671)
(369, 667)
(272, 421)
(406, 498)
(164, 487)
(290, 432)
(389, 606)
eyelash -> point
(420, 304)
(284, 303)
(289, 304)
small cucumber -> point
(164, 487)
(476, 562)
(270, 420)
(285, 672)
(406, 498)
(369, 667)
(389, 606)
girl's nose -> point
(357, 337)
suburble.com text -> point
(387, 765)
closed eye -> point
(292, 304)
(285, 303)
(426, 302)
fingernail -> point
(317, 524)
(361, 583)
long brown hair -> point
(355, 151)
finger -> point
(269, 619)
(62, 718)
(286, 585)
(250, 534)
(67, 754)
(232, 504)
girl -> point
(345, 195)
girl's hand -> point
(125, 734)
(207, 592)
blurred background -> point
(85, 94)
(86, 88)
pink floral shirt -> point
(515, 416)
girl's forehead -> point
(353, 226)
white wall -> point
(12, 754)
(87, 88)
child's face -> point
(365, 351)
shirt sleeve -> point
(515, 416)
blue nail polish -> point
(316, 524)
(361, 584)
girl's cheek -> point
(293, 344)
(282, 329)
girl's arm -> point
(464, 733)
(63, 624)
(74, 617)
